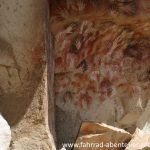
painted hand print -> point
(102, 54)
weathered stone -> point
(140, 141)
(101, 62)
(101, 137)
(26, 96)
(128, 121)
(141, 137)
(144, 120)
(5, 134)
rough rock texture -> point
(141, 137)
(140, 141)
(23, 74)
(144, 120)
(91, 134)
(102, 71)
(5, 134)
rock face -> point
(102, 71)
(140, 141)
(24, 97)
(102, 53)
(141, 137)
(5, 134)
(101, 137)
(144, 121)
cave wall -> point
(24, 97)
(102, 55)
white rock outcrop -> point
(5, 134)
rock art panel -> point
(101, 61)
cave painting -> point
(102, 54)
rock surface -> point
(129, 121)
(102, 53)
(5, 134)
(140, 141)
(25, 99)
(101, 137)
(144, 120)
(141, 137)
